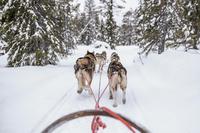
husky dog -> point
(101, 60)
(84, 71)
(117, 76)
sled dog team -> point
(117, 75)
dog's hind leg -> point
(123, 88)
(114, 93)
(111, 96)
(124, 96)
(123, 85)
(114, 83)
(80, 82)
(87, 81)
(110, 91)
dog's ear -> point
(88, 52)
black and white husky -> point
(117, 75)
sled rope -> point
(97, 122)
(99, 84)
(118, 118)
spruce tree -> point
(110, 23)
(102, 31)
(127, 28)
(167, 23)
(189, 13)
(154, 24)
(30, 29)
(83, 23)
(90, 33)
(67, 25)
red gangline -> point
(96, 122)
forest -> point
(38, 32)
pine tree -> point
(102, 31)
(110, 23)
(189, 13)
(97, 26)
(30, 29)
(90, 17)
(162, 24)
(154, 24)
(78, 26)
(67, 25)
(83, 23)
(126, 29)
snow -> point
(162, 95)
(100, 46)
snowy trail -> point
(162, 95)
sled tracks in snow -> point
(51, 112)
(85, 113)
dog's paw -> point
(79, 91)
(124, 101)
(114, 105)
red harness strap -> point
(97, 122)
(118, 118)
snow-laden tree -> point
(97, 26)
(154, 24)
(67, 24)
(102, 31)
(81, 25)
(126, 32)
(30, 29)
(110, 23)
(89, 31)
(189, 13)
(162, 24)
(111, 29)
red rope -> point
(103, 92)
(118, 118)
(97, 122)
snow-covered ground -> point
(163, 95)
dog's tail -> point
(114, 80)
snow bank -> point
(163, 94)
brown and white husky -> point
(101, 60)
(117, 76)
(84, 71)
